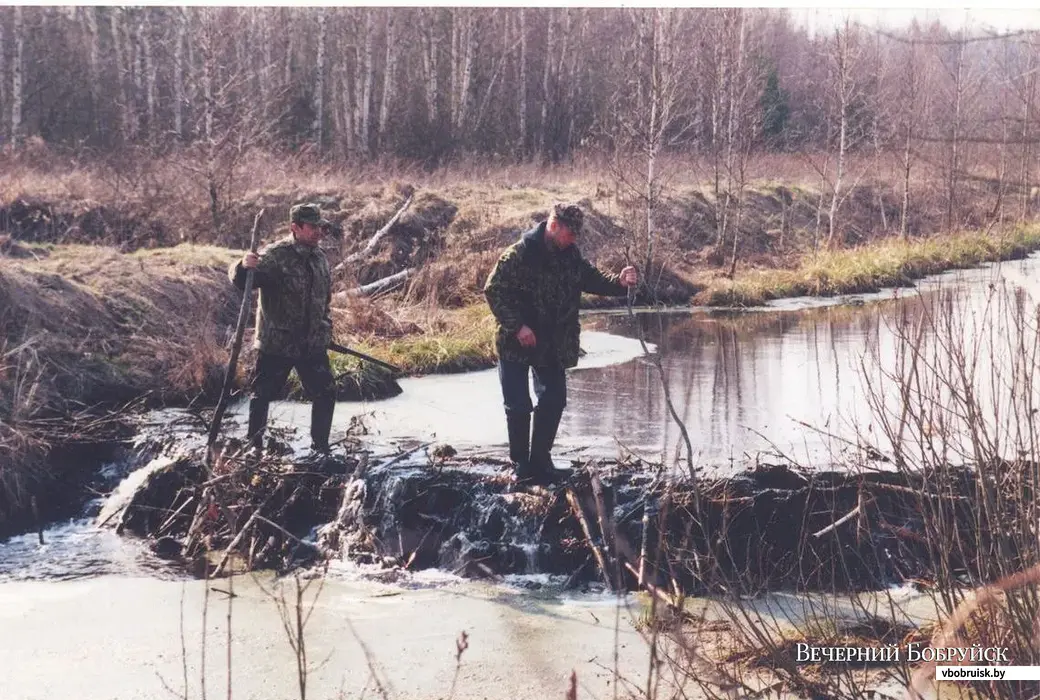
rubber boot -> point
(257, 423)
(546, 423)
(321, 422)
(518, 425)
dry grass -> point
(83, 325)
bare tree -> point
(430, 39)
(843, 53)
(367, 75)
(150, 70)
(16, 77)
(319, 85)
(3, 77)
(1028, 98)
(651, 115)
(464, 49)
(389, 75)
(910, 95)
(522, 84)
(735, 86)
(179, 93)
(547, 75)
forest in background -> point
(938, 119)
(433, 84)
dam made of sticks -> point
(618, 524)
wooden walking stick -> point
(229, 375)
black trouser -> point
(550, 390)
(269, 378)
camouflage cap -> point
(307, 214)
(569, 215)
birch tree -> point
(651, 110)
(547, 76)
(319, 85)
(150, 71)
(179, 94)
(389, 75)
(522, 85)
(430, 40)
(367, 70)
(16, 77)
(463, 50)
(911, 100)
(844, 86)
(3, 80)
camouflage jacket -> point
(295, 292)
(541, 289)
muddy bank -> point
(50, 467)
(767, 528)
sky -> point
(826, 17)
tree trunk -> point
(336, 83)
(287, 68)
(954, 161)
(150, 78)
(121, 94)
(90, 19)
(207, 87)
(368, 84)
(910, 116)
(3, 76)
(547, 66)
(135, 27)
(1027, 127)
(653, 144)
(389, 77)
(572, 78)
(904, 226)
(266, 73)
(841, 47)
(466, 81)
(735, 149)
(347, 107)
(16, 77)
(522, 85)
(455, 73)
(180, 37)
(319, 86)
(431, 50)
(721, 67)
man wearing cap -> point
(534, 293)
(293, 326)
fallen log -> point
(376, 237)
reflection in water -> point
(746, 383)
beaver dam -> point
(613, 523)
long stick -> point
(579, 513)
(243, 314)
(336, 347)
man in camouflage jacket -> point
(534, 292)
(293, 327)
